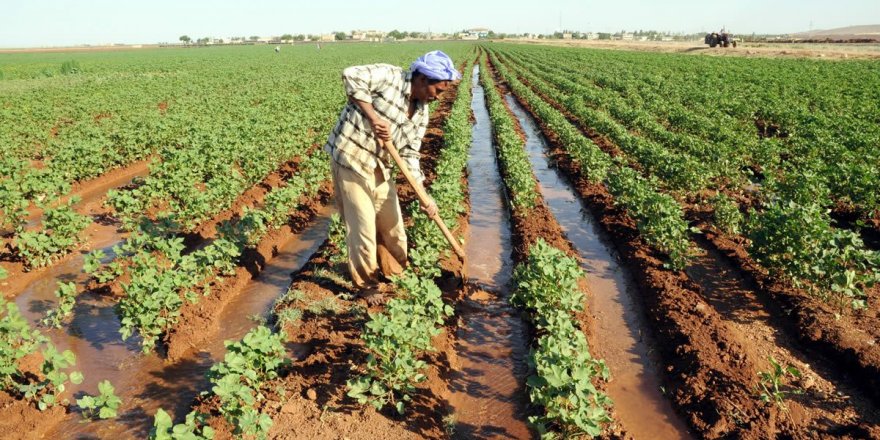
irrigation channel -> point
(488, 393)
(618, 321)
(147, 382)
(101, 233)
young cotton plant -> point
(798, 242)
(563, 384)
(511, 147)
(194, 428)
(658, 216)
(104, 405)
(61, 231)
(239, 379)
(46, 390)
(547, 282)
(66, 294)
(564, 372)
(395, 340)
(17, 340)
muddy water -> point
(101, 233)
(635, 385)
(488, 395)
(146, 382)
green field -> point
(769, 165)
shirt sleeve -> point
(361, 82)
(411, 157)
(410, 152)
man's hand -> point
(430, 208)
(381, 129)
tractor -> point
(723, 39)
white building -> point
(370, 35)
(476, 33)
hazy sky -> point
(27, 23)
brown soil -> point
(327, 344)
(849, 338)
(92, 193)
(249, 198)
(198, 322)
(538, 222)
(20, 420)
(105, 115)
(822, 407)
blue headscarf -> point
(436, 65)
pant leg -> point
(391, 235)
(354, 196)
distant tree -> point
(604, 36)
(254, 37)
(341, 36)
(220, 41)
(416, 35)
(185, 39)
(397, 35)
(286, 37)
(314, 37)
(299, 37)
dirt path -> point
(746, 49)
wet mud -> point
(147, 382)
(488, 394)
(619, 328)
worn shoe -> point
(374, 295)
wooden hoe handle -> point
(423, 196)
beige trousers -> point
(375, 235)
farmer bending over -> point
(385, 102)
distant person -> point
(277, 49)
(385, 103)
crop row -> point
(832, 263)
(161, 275)
(18, 341)
(658, 216)
(564, 372)
(239, 381)
(822, 130)
(397, 338)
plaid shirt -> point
(352, 143)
